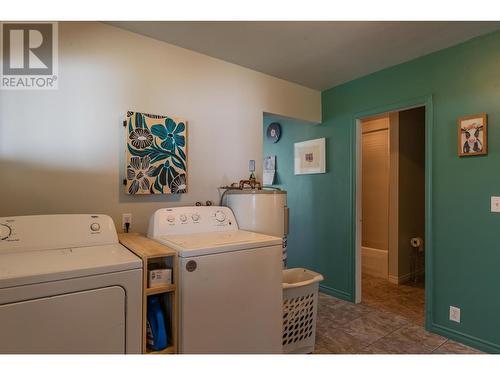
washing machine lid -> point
(30, 267)
(195, 244)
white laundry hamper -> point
(300, 306)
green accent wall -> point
(464, 253)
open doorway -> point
(391, 210)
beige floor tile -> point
(321, 349)
(417, 334)
(390, 320)
(392, 345)
(336, 341)
(340, 315)
(374, 326)
(452, 347)
(407, 300)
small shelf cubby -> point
(154, 256)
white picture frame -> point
(310, 156)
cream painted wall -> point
(62, 151)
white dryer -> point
(67, 286)
(230, 281)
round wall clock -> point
(274, 132)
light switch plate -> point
(455, 314)
(495, 204)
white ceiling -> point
(318, 55)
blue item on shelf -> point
(155, 327)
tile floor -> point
(407, 300)
(388, 321)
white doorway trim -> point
(358, 212)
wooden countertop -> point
(144, 247)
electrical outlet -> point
(495, 204)
(455, 314)
(126, 218)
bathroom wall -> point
(62, 151)
(464, 253)
(411, 188)
(375, 196)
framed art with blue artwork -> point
(156, 154)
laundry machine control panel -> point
(191, 219)
(40, 232)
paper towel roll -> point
(416, 242)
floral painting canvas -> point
(155, 154)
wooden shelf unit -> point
(159, 290)
(150, 251)
(168, 350)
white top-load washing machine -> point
(67, 286)
(230, 298)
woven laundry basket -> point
(300, 305)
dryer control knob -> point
(220, 216)
(195, 217)
(95, 227)
(183, 218)
(170, 218)
(5, 231)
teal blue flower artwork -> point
(155, 154)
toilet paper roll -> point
(416, 242)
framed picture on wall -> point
(309, 156)
(473, 135)
(155, 154)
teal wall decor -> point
(155, 154)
